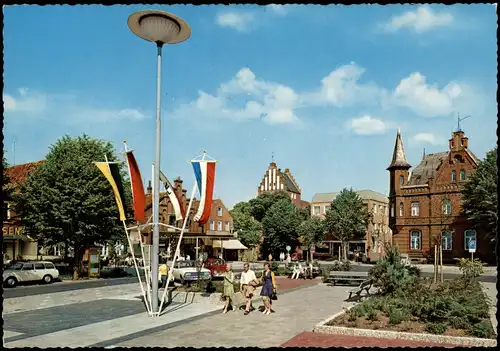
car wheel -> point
(11, 282)
(182, 281)
(47, 279)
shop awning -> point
(231, 244)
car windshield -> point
(184, 264)
(16, 266)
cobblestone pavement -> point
(295, 311)
(310, 339)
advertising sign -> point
(94, 259)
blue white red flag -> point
(204, 171)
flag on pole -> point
(112, 173)
(204, 171)
(138, 195)
(174, 198)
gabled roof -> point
(426, 168)
(289, 184)
(17, 174)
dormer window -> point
(453, 176)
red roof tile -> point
(17, 174)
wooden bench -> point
(336, 276)
(365, 285)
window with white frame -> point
(401, 209)
(316, 210)
(415, 209)
(219, 211)
(446, 240)
(446, 206)
(392, 210)
(462, 174)
(212, 225)
(453, 176)
(228, 227)
(469, 235)
(219, 226)
(415, 240)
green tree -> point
(67, 199)
(479, 195)
(311, 232)
(305, 213)
(280, 227)
(347, 218)
(248, 228)
(262, 203)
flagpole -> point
(178, 244)
(146, 276)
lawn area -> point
(407, 303)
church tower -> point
(398, 177)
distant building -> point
(378, 232)
(16, 243)
(274, 180)
(426, 205)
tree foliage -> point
(68, 200)
(280, 225)
(479, 195)
(347, 217)
(248, 228)
(262, 203)
(311, 232)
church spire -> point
(399, 157)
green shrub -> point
(459, 322)
(470, 269)
(274, 266)
(435, 328)
(396, 315)
(283, 272)
(341, 266)
(482, 329)
(372, 316)
(351, 315)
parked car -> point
(217, 267)
(187, 272)
(22, 272)
(296, 256)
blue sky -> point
(323, 87)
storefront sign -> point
(12, 231)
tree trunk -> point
(77, 262)
(345, 251)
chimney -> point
(150, 189)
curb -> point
(386, 334)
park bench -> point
(365, 285)
(336, 276)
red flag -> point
(138, 194)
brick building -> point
(217, 231)
(16, 244)
(378, 232)
(425, 205)
(274, 180)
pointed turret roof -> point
(399, 157)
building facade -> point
(274, 180)
(16, 244)
(378, 233)
(196, 238)
(426, 207)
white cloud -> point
(426, 138)
(280, 10)
(421, 20)
(69, 107)
(241, 21)
(424, 99)
(367, 125)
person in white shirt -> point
(248, 282)
(297, 271)
(188, 258)
(288, 258)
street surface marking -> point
(10, 334)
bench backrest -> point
(365, 283)
(348, 274)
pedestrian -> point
(228, 288)
(288, 258)
(163, 275)
(297, 271)
(188, 258)
(270, 257)
(248, 282)
(282, 256)
(268, 288)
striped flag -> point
(174, 198)
(138, 194)
(204, 171)
(112, 173)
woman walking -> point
(228, 288)
(268, 288)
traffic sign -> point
(472, 244)
(472, 250)
(288, 248)
(312, 249)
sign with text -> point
(12, 231)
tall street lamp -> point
(159, 27)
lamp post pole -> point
(161, 28)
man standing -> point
(248, 282)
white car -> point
(22, 272)
(186, 272)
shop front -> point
(17, 245)
(229, 249)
